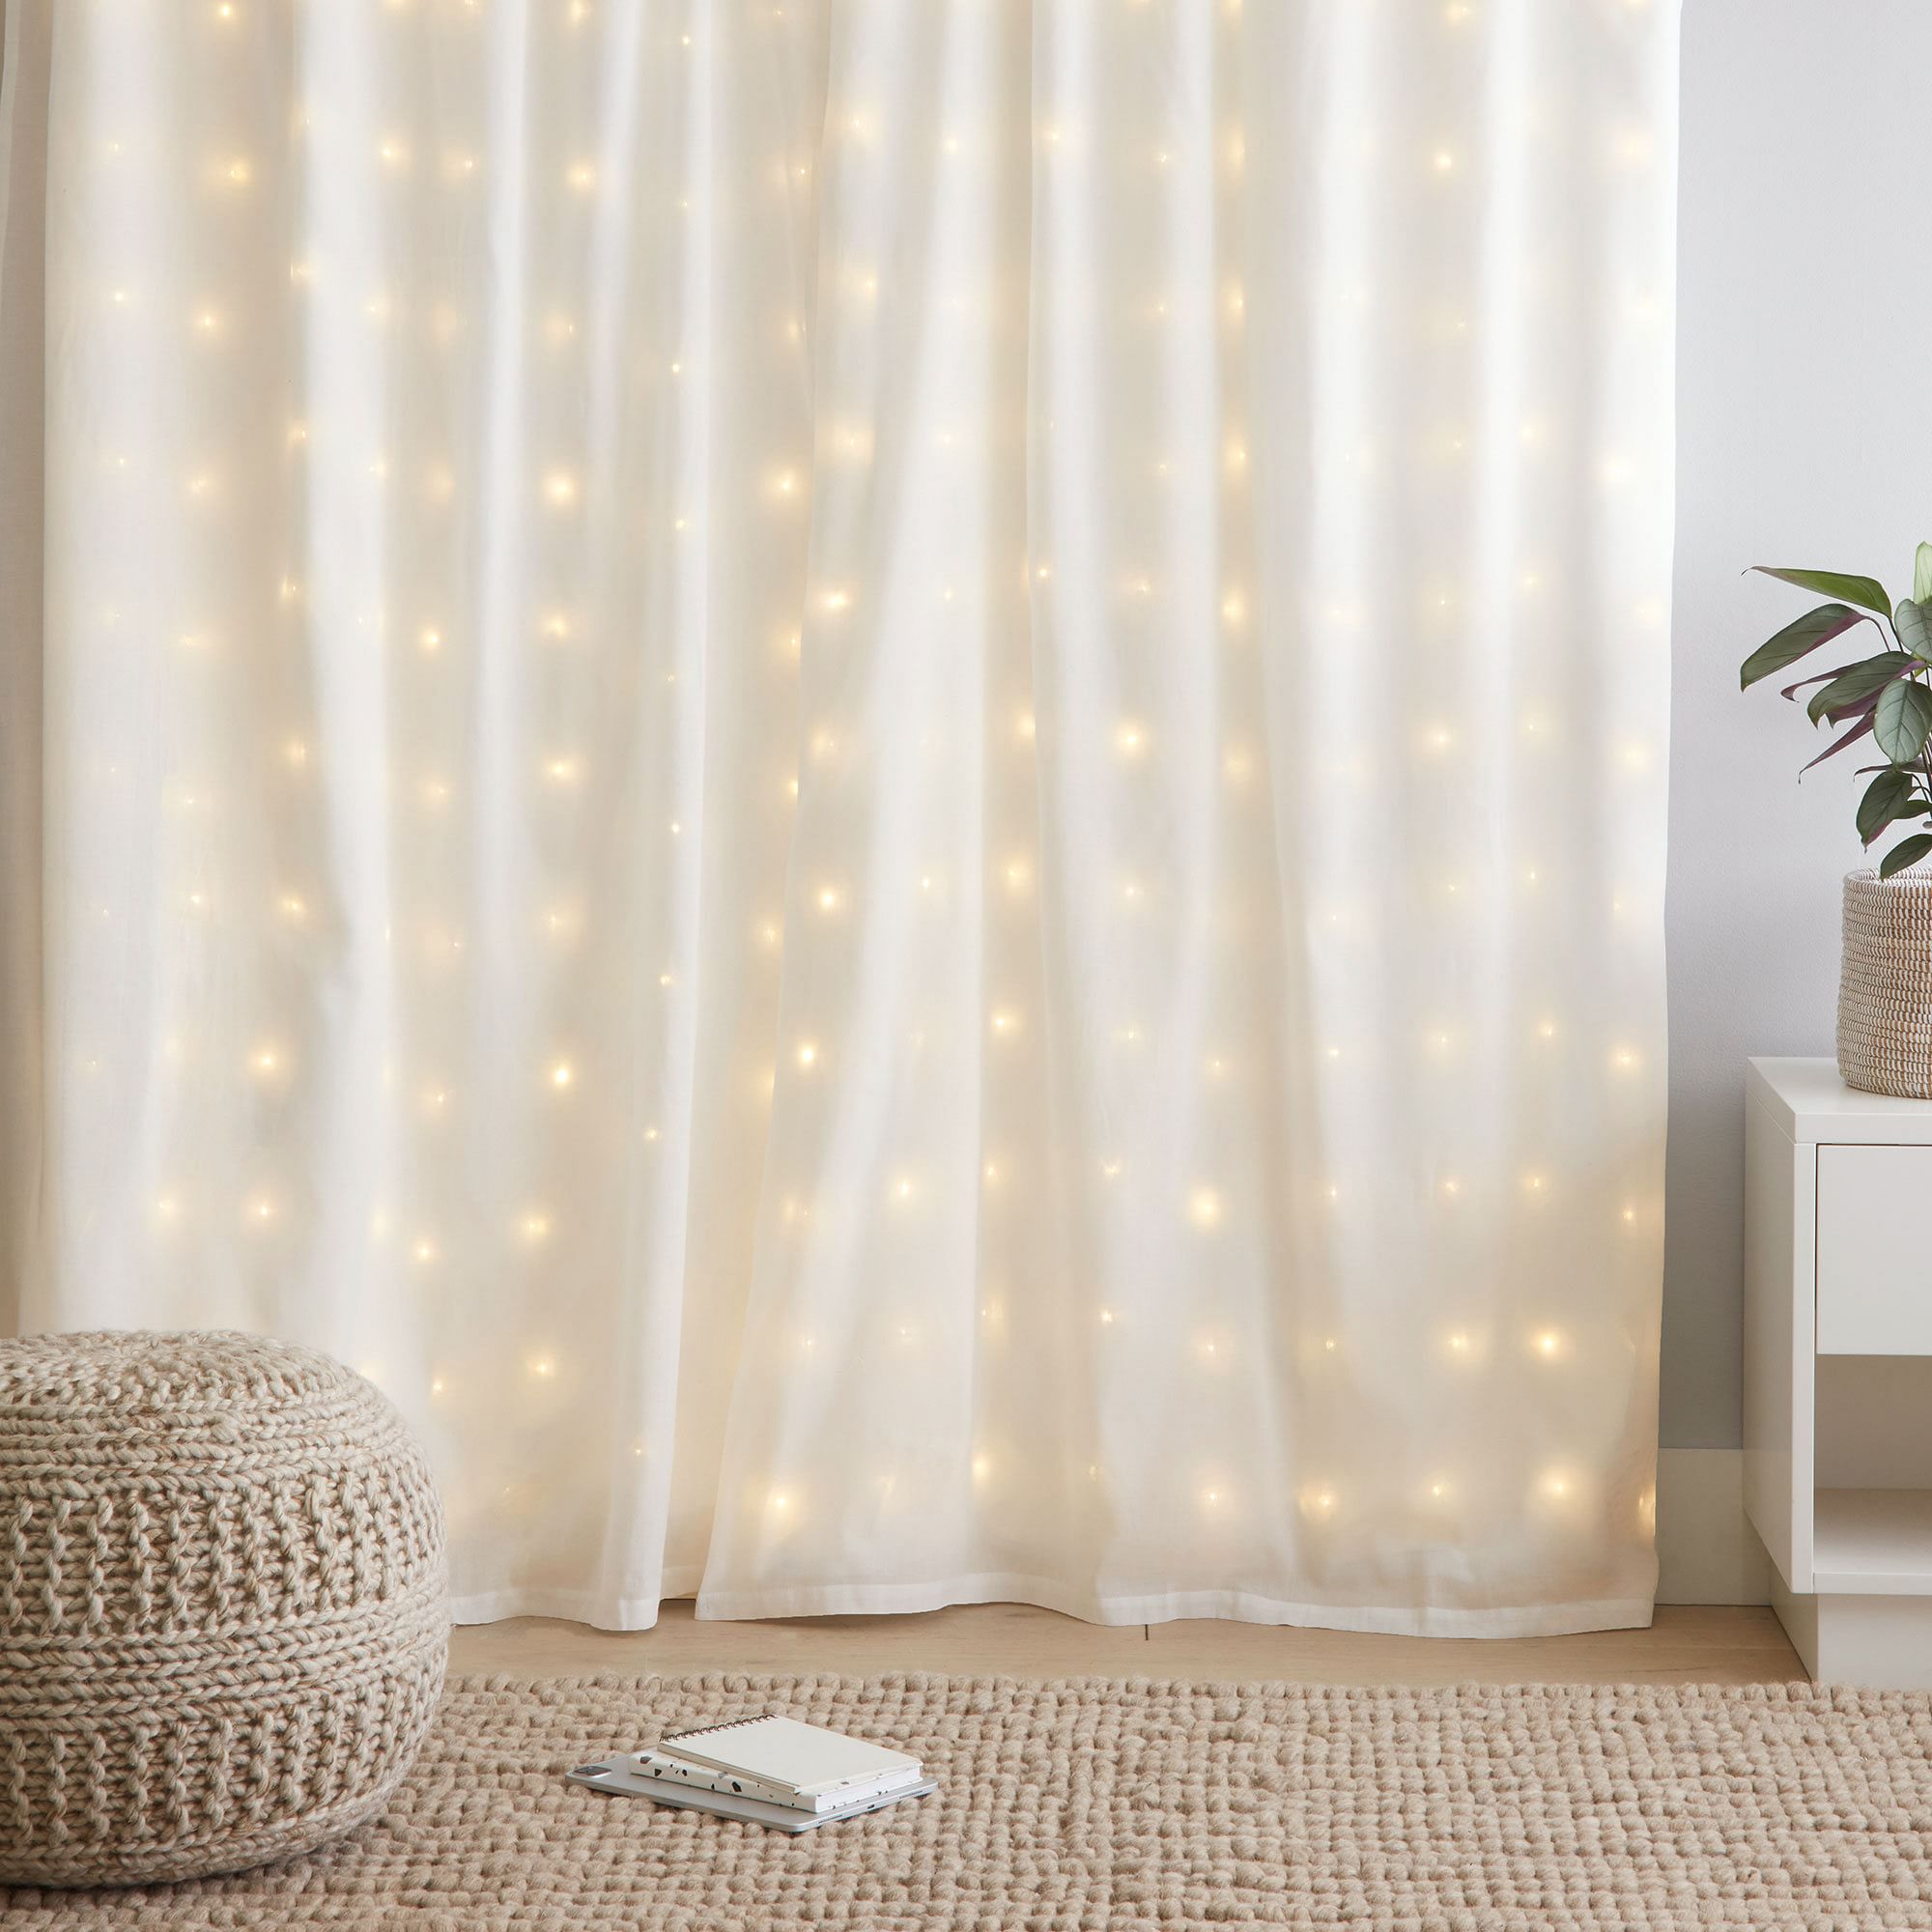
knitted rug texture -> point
(1097, 1803)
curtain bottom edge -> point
(614, 1612)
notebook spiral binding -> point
(712, 1730)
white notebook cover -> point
(613, 1775)
(782, 1751)
(660, 1767)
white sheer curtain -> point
(882, 785)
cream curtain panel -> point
(881, 785)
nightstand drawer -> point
(1875, 1250)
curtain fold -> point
(883, 787)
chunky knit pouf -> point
(223, 1608)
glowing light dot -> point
(583, 177)
(560, 488)
(561, 1074)
(808, 1053)
(1204, 1207)
(1129, 739)
(1548, 1344)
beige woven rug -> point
(1094, 1803)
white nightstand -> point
(1838, 1368)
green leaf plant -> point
(1886, 698)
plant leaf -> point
(1907, 852)
(1921, 573)
(1816, 627)
(1867, 592)
(1851, 737)
(1888, 797)
(1901, 718)
(1913, 624)
(1857, 682)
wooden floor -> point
(1683, 1646)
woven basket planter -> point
(223, 1612)
(1885, 986)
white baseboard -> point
(1706, 1553)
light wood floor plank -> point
(1718, 1645)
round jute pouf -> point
(1885, 985)
(223, 1606)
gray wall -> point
(1804, 437)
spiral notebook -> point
(784, 1754)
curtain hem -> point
(594, 1607)
(636, 1613)
(1167, 1607)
